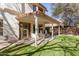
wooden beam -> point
(11, 11)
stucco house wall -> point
(14, 23)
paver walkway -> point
(3, 43)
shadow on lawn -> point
(32, 52)
(10, 49)
(52, 47)
(64, 48)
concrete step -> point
(39, 41)
(4, 45)
(44, 42)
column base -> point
(51, 38)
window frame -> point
(34, 8)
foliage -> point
(68, 12)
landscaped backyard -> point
(62, 45)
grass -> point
(63, 45)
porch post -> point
(52, 31)
(31, 28)
(36, 29)
(21, 31)
(44, 30)
(58, 30)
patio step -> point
(44, 42)
(31, 41)
(3, 44)
(40, 41)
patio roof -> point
(42, 18)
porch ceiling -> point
(42, 19)
(47, 20)
(27, 19)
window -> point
(34, 8)
(1, 26)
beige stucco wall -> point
(17, 7)
(11, 18)
(13, 23)
(28, 8)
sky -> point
(48, 6)
(50, 10)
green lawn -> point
(60, 46)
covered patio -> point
(37, 26)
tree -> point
(68, 12)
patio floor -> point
(3, 44)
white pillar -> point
(44, 30)
(58, 30)
(52, 32)
(36, 29)
(21, 30)
(31, 29)
(21, 33)
(36, 8)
